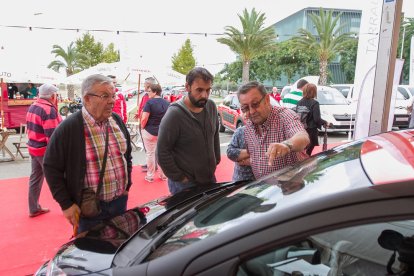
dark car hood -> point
(87, 255)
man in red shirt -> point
(275, 94)
(120, 106)
(42, 119)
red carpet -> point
(26, 242)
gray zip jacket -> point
(184, 148)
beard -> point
(197, 103)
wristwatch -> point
(288, 144)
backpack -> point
(304, 114)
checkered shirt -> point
(281, 125)
(115, 179)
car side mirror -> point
(233, 106)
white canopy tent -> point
(128, 74)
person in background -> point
(275, 94)
(237, 152)
(272, 132)
(74, 157)
(42, 118)
(120, 106)
(12, 90)
(291, 99)
(154, 110)
(32, 91)
(144, 99)
(188, 147)
(314, 121)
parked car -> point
(341, 212)
(401, 115)
(336, 110)
(229, 113)
(174, 94)
(346, 89)
(406, 90)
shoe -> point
(39, 212)
(148, 179)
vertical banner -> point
(411, 76)
(365, 64)
(375, 87)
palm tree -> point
(329, 41)
(70, 59)
(252, 41)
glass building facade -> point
(289, 26)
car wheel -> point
(64, 110)
(221, 127)
(239, 124)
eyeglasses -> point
(104, 97)
(246, 108)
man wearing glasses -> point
(275, 137)
(90, 148)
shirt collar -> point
(90, 120)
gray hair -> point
(249, 86)
(150, 80)
(92, 80)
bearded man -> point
(188, 148)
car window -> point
(411, 89)
(358, 250)
(400, 96)
(227, 100)
(331, 97)
(235, 101)
(403, 92)
(344, 89)
(285, 90)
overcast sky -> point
(32, 48)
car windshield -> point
(274, 192)
(344, 89)
(331, 97)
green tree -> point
(329, 41)
(295, 61)
(69, 60)
(348, 60)
(407, 25)
(93, 52)
(252, 41)
(110, 54)
(184, 61)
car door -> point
(321, 242)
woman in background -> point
(152, 114)
(313, 120)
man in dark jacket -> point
(188, 147)
(74, 157)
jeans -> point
(35, 183)
(109, 209)
(176, 186)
